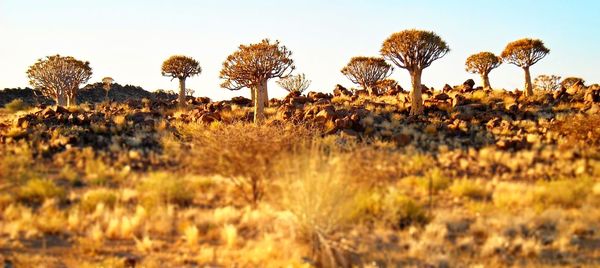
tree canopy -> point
(367, 71)
(294, 83)
(59, 77)
(251, 64)
(524, 52)
(482, 63)
(180, 67)
(414, 49)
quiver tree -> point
(483, 63)
(106, 84)
(571, 81)
(294, 83)
(59, 77)
(414, 50)
(547, 82)
(251, 66)
(367, 72)
(524, 53)
(181, 67)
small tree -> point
(181, 67)
(367, 72)
(414, 50)
(294, 83)
(571, 81)
(251, 66)
(107, 83)
(547, 82)
(189, 92)
(59, 77)
(483, 63)
(525, 53)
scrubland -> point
(483, 179)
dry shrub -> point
(317, 189)
(16, 105)
(163, 188)
(93, 197)
(579, 130)
(244, 153)
(36, 191)
(562, 193)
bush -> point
(562, 193)
(16, 105)
(36, 191)
(403, 211)
(392, 207)
(243, 153)
(96, 196)
(316, 189)
(469, 188)
(164, 188)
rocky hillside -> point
(91, 93)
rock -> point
(298, 100)
(469, 83)
(208, 118)
(592, 95)
(327, 113)
(60, 110)
(361, 92)
(441, 97)
(402, 139)
(241, 101)
(285, 112)
(314, 96)
(447, 88)
(343, 123)
(203, 100)
(47, 113)
(458, 100)
(341, 91)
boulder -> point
(314, 96)
(447, 88)
(241, 101)
(208, 118)
(442, 97)
(469, 84)
(340, 91)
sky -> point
(129, 39)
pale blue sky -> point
(128, 40)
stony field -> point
(486, 178)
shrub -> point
(469, 188)
(392, 207)
(16, 105)
(243, 153)
(36, 191)
(402, 211)
(96, 196)
(164, 188)
(562, 193)
(316, 190)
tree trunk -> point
(417, 98)
(259, 104)
(182, 102)
(253, 94)
(61, 99)
(371, 90)
(71, 100)
(486, 81)
(528, 85)
(265, 94)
